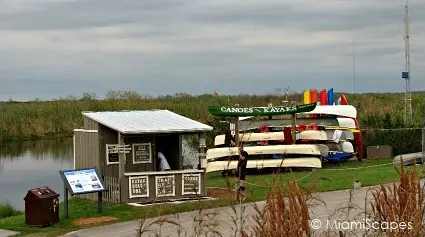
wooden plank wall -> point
(90, 124)
(107, 136)
(86, 153)
(129, 166)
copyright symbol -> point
(316, 224)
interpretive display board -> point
(83, 181)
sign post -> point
(82, 181)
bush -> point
(402, 140)
(7, 210)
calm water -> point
(32, 164)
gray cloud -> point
(56, 48)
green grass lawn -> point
(328, 178)
(81, 208)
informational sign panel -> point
(191, 184)
(142, 153)
(112, 154)
(165, 186)
(138, 186)
(83, 181)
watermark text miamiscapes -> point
(365, 224)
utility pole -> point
(406, 74)
(354, 69)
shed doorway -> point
(169, 145)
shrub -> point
(7, 210)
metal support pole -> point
(65, 201)
(99, 202)
(1, 131)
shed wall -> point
(129, 166)
(107, 136)
(90, 124)
(86, 153)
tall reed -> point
(400, 207)
(41, 119)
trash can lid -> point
(41, 193)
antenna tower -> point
(406, 73)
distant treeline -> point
(40, 119)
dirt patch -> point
(94, 220)
(221, 193)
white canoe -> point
(338, 110)
(312, 135)
(408, 159)
(346, 122)
(252, 137)
(338, 135)
(343, 146)
(304, 162)
(347, 147)
(318, 135)
(302, 149)
(273, 136)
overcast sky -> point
(53, 48)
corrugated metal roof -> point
(146, 121)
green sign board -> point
(260, 111)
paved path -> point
(7, 233)
(334, 200)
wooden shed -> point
(135, 176)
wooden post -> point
(237, 132)
(294, 128)
(423, 149)
(202, 160)
(423, 141)
(65, 200)
(270, 105)
(237, 129)
(121, 166)
(99, 202)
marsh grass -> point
(7, 210)
(284, 216)
(402, 202)
(46, 119)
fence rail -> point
(113, 193)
